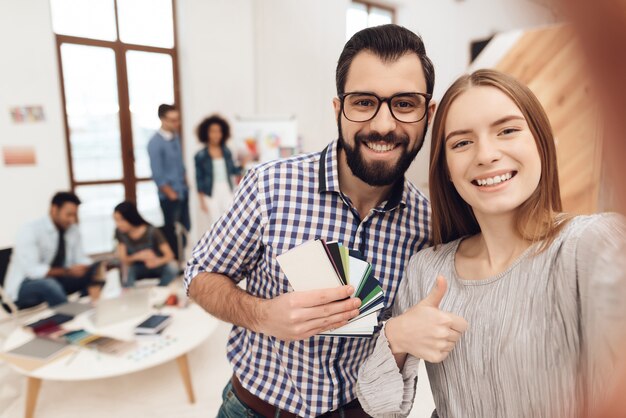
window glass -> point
(91, 105)
(378, 16)
(150, 83)
(96, 223)
(148, 202)
(362, 15)
(87, 19)
(146, 22)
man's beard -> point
(379, 173)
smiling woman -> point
(516, 296)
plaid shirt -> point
(282, 204)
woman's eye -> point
(509, 131)
(460, 144)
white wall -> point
(216, 71)
(297, 46)
(29, 76)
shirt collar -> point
(51, 226)
(168, 136)
(328, 169)
(329, 178)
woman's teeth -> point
(492, 181)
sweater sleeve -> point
(601, 280)
(383, 389)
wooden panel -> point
(549, 62)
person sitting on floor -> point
(49, 261)
(141, 247)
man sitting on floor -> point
(48, 260)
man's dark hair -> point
(62, 198)
(164, 108)
(129, 212)
(203, 129)
(389, 43)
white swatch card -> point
(308, 267)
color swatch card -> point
(318, 265)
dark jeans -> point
(232, 407)
(138, 271)
(53, 290)
(176, 211)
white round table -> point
(190, 327)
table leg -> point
(32, 391)
(183, 366)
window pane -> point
(97, 227)
(92, 111)
(146, 22)
(88, 19)
(379, 17)
(148, 202)
(150, 83)
(356, 19)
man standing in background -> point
(169, 174)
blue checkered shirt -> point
(282, 204)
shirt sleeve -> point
(383, 389)
(157, 163)
(233, 243)
(601, 279)
(27, 254)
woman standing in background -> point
(215, 168)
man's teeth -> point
(380, 147)
(491, 181)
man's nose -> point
(383, 122)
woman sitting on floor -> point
(141, 247)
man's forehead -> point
(68, 207)
(369, 72)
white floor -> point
(157, 392)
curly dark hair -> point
(203, 129)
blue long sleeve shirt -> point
(166, 162)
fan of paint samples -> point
(317, 264)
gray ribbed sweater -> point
(538, 333)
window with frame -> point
(363, 15)
(117, 62)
